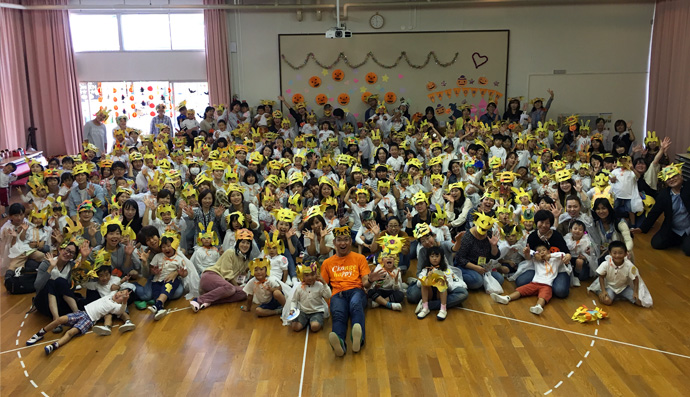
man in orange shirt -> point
(348, 274)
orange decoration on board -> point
(134, 114)
(371, 78)
(483, 80)
(131, 97)
(430, 86)
(153, 114)
(114, 99)
(150, 96)
(114, 90)
(152, 105)
(366, 96)
(321, 99)
(297, 98)
(462, 81)
(343, 99)
(150, 88)
(338, 75)
(315, 81)
(390, 98)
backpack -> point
(17, 282)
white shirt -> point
(204, 257)
(167, 265)
(6, 179)
(261, 291)
(103, 290)
(617, 278)
(545, 273)
(396, 163)
(310, 299)
(625, 183)
(105, 305)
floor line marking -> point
(26, 374)
(578, 364)
(548, 392)
(587, 354)
(22, 363)
(571, 374)
(304, 361)
(576, 333)
(558, 385)
(33, 384)
(44, 394)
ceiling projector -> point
(338, 33)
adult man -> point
(161, 118)
(299, 113)
(85, 190)
(426, 239)
(342, 118)
(95, 132)
(348, 274)
(674, 203)
(372, 101)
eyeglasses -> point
(71, 253)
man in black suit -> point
(674, 203)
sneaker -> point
(537, 309)
(153, 309)
(102, 330)
(423, 312)
(141, 305)
(374, 304)
(288, 282)
(396, 306)
(205, 305)
(576, 282)
(127, 326)
(356, 338)
(419, 307)
(336, 344)
(500, 298)
(57, 329)
(441, 315)
(195, 305)
(160, 314)
(404, 286)
(35, 338)
(49, 349)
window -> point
(138, 32)
(94, 32)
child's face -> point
(577, 231)
(388, 262)
(168, 250)
(35, 168)
(582, 172)
(85, 216)
(36, 221)
(329, 213)
(283, 227)
(618, 255)
(309, 278)
(384, 190)
(529, 225)
(206, 241)
(524, 200)
(7, 169)
(543, 205)
(504, 217)
(42, 192)
(121, 296)
(511, 239)
(362, 199)
(542, 254)
(272, 251)
(260, 273)
(103, 277)
(166, 217)
(435, 260)
(17, 219)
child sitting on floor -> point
(546, 267)
(620, 279)
(308, 298)
(583, 251)
(107, 285)
(263, 290)
(162, 266)
(387, 292)
(206, 253)
(82, 321)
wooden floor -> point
(481, 349)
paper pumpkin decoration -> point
(343, 99)
(483, 80)
(430, 86)
(150, 96)
(297, 98)
(134, 114)
(338, 75)
(114, 90)
(152, 105)
(315, 81)
(440, 109)
(321, 99)
(365, 96)
(371, 78)
(462, 81)
(390, 98)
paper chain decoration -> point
(370, 55)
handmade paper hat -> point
(207, 232)
(387, 184)
(436, 145)
(527, 215)
(105, 112)
(494, 195)
(238, 214)
(258, 263)
(563, 175)
(511, 230)
(163, 208)
(273, 242)
(583, 314)
(506, 176)
(59, 205)
(73, 229)
(438, 160)
(307, 268)
(670, 171)
(606, 193)
(390, 245)
(284, 215)
(414, 162)
(296, 177)
(558, 136)
(273, 180)
(651, 137)
(82, 168)
(316, 210)
(164, 164)
(535, 100)
(376, 135)
(203, 177)
(326, 161)
(362, 191)
(421, 230)
(135, 156)
(419, 197)
(36, 183)
(42, 215)
(457, 185)
(296, 200)
(584, 166)
(106, 162)
(601, 180)
(520, 193)
(125, 231)
(329, 202)
(86, 205)
(495, 162)
(438, 215)
(244, 234)
(341, 231)
(647, 202)
(504, 207)
(483, 222)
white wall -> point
(579, 39)
(141, 66)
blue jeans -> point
(560, 286)
(627, 294)
(404, 263)
(455, 297)
(292, 266)
(582, 274)
(413, 249)
(145, 293)
(474, 280)
(348, 305)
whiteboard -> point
(621, 94)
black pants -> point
(60, 288)
(394, 296)
(662, 240)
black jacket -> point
(665, 205)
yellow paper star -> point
(324, 72)
(384, 78)
(362, 89)
(346, 110)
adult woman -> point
(513, 112)
(393, 228)
(130, 215)
(430, 117)
(455, 170)
(457, 208)
(539, 111)
(237, 203)
(149, 239)
(623, 136)
(477, 247)
(544, 220)
(317, 240)
(219, 283)
(381, 156)
(608, 228)
(208, 124)
(122, 258)
(54, 295)
(567, 188)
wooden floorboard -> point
(224, 351)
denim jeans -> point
(404, 263)
(145, 293)
(474, 280)
(348, 305)
(560, 286)
(292, 266)
(455, 297)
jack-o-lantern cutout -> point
(315, 81)
(321, 99)
(390, 98)
(366, 96)
(371, 78)
(462, 81)
(338, 75)
(430, 86)
(297, 98)
(343, 99)
(483, 80)
(440, 109)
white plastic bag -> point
(491, 285)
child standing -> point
(263, 290)
(162, 266)
(273, 252)
(7, 176)
(309, 298)
(546, 267)
(434, 281)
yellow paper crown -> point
(310, 268)
(419, 197)
(207, 232)
(651, 137)
(483, 222)
(563, 175)
(421, 230)
(341, 231)
(390, 245)
(258, 263)
(284, 215)
(274, 242)
(670, 171)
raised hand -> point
(665, 144)
(550, 91)
(308, 234)
(51, 259)
(219, 211)
(290, 232)
(376, 229)
(494, 239)
(91, 190)
(129, 247)
(85, 249)
(93, 229)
